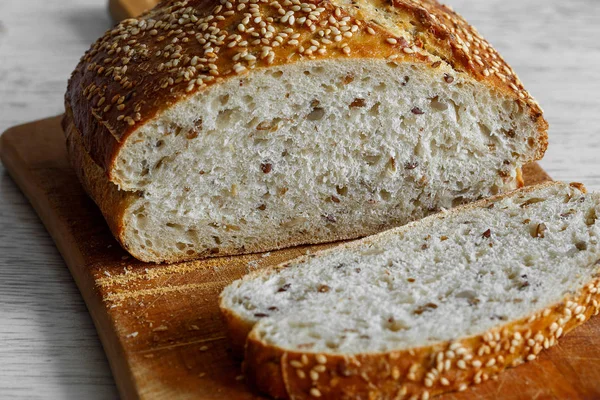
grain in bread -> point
(431, 307)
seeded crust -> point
(144, 66)
(415, 373)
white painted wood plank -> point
(48, 345)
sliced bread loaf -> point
(209, 128)
(434, 306)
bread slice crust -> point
(417, 372)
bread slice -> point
(205, 129)
(431, 307)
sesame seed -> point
(531, 357)
(296, 364)
(476, 363)
(391, 41)
(320, 368)
(238, 68)
(444, 382)
(321, 359)
(301, 374)
(491, 362)
(538, 337)
(315, 392)
(314, 375)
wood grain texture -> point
(160, 324)
(48, 344)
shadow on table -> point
(38, 297)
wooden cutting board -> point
(160, 324)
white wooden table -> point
(48, 344)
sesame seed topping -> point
(320, 368)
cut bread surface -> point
(315, 152)
(448, 278)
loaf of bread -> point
(434, 306)
(208, 128)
